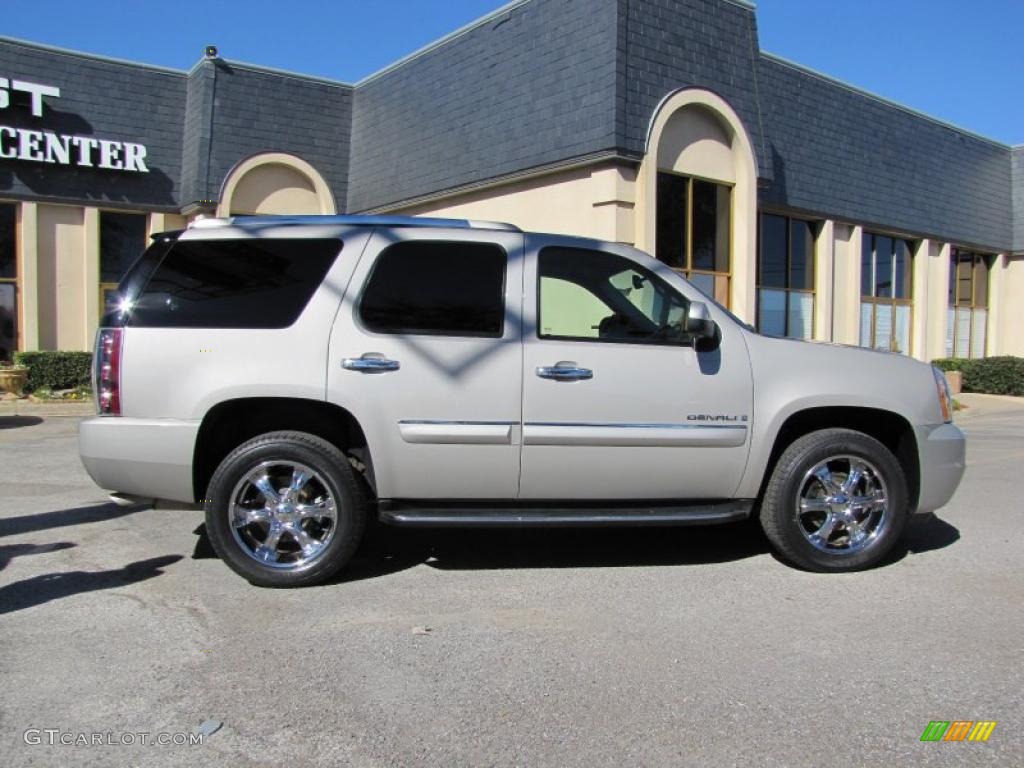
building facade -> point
(809, 207)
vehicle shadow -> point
(924, 533)
(389, 550)
(11, 526)
(37, 590)
(13, 422)
(386, 550)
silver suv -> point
(295, 374)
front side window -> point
(437, 289)
(8, 283)
(886, 277)
(122, 239)
(694, 221)
(595, 296)
(785, 275)
(249, 283)
(967, 316)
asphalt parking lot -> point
(678, 647)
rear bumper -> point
(942, 450)
(146, 457)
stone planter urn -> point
(955, 380)
(13, 380)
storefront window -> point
(886, 278)
(967, 316)
(693, 237)
(122, 239)
(8, 283)
(785, 294)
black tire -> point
(335, 475)
(786, 531)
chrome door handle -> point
(370, 364)
(565, 373)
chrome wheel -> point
(283, 515)
(842, 505)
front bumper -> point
(145, 457)
(942, 449)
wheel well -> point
(229, 424)
(890, 429)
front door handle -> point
(370, 364)
(565, 372)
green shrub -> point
(989, 375)
(55, 370)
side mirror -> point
(698, 321)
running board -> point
(442, 514)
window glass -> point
(867, 265)
(801, 315)
(801, 255)
(773, 251)
(710, 226)
(122, 239)
(981, 282)
(901, 270)
(437, 288)
(611, 298)
(771, 315)
(8, 251)
(883, 267)
(671, 235)
(8, 322)
(251, 283)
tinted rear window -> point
(261, 283)
(437, 288)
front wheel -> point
(285, 510)
(836, 501)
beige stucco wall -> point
(274, 188)
(595, 201)
(61, 284)
(1010, 315)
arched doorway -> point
(275, 183)
(698, 196)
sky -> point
(957, 60)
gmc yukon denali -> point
(294, 375)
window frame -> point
(357, 311)
(653, 276)
(890, 301)
(815, 225)
(977, 258)
(688, 270)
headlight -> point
(945, 396)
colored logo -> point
(958, 730)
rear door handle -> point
(565, 372)
(370, 364)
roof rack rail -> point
(350, 220)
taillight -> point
(107, 384)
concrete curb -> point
(986, 405)
(59, 408)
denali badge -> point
(714, 417)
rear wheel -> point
(285, 510)
(836, 501)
